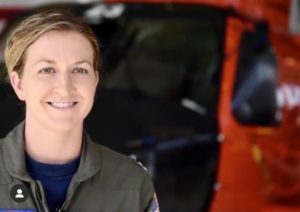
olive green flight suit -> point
(106, 181)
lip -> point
(62, 105)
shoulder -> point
(120, 163)
(1, 143)
(1, 148)
(121, 170)
(4, 175)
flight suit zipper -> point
(39, 197)
(68, 199)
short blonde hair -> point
(29, 30)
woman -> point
(48, 162)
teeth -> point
(62, 104)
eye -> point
(80, 71)
(47, 70)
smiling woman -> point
(62, 80)
(49, 163)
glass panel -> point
(173, 59)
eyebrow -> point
(44, 60)
(52, 61)
(84, 61)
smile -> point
(62, 105)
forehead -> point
(60, 45)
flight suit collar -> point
(14, 153)
(90, 161)
(14, 156)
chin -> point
(66, 126)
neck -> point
(51, 145)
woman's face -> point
(58, 82)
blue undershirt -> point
(54, 178)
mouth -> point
(62, 105)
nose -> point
(64, 84)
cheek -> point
(88, 94)
(33, 90)
(91, 92)
(89, 86)
(87, 91)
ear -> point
(16, 83)
(97, 77)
